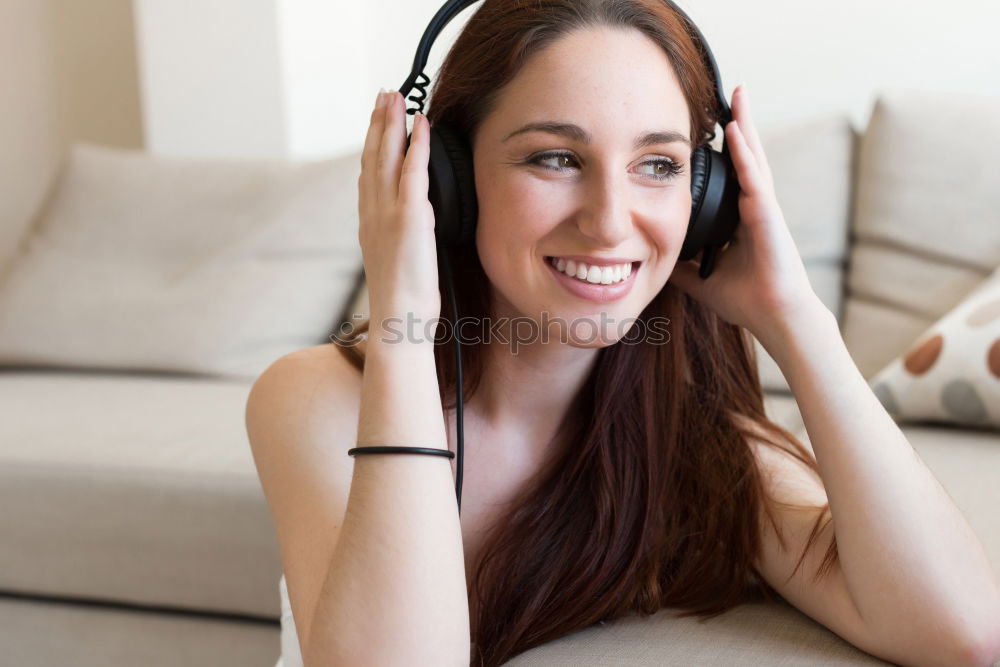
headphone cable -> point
(443, 255)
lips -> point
(595, 293)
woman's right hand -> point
(396, 231)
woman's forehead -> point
(596, 76)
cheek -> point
(519, 197)
(672, 214)
(515, 220)
(516, 212)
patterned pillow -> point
(951, 373)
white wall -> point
(800, 58)
(96, 72)
(263, 78)
(211, 78)
(797, 57)
(297, 78)
(67, 73)
(29, 123)
(321, 74)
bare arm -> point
(395, 592)
(376, 575)
(370, 547)
(915, 569)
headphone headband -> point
(453, 8)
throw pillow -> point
(951, 374)
(212, 267)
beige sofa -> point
(134, 528)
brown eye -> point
(561, 161)
(663, 169)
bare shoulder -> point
(302, 393)
(301, 418)
(325, 358)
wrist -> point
(804, 323)
(395, 332)
(390, 347)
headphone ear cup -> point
(714, 205)
(700, 172)
(452, 187)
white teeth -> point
(596, 275)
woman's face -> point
(590, 188)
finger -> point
(391, 150)
(414, 180)
(741, 111)
(747, 171)
(367, 183)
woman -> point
(608, 470)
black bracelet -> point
(400, 450)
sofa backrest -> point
(926, 224)
(195, 266)
(811, 161)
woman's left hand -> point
(759, 281)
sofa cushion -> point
(759, 633)
(926, 226)
(43, 632)
(200, 266)
(951, 374)
(130, 488)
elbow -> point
(967, 647)
(976, 635)
(977, 647)
(983, 651)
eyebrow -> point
(577, 133)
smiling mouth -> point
(593, 274)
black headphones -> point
(452, 191)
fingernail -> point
(380, 98)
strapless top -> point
(291, 654)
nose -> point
(606, 216)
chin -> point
(589, 329)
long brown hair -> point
(652, 498)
